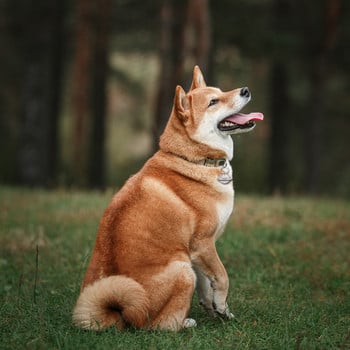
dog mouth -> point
(239, 122)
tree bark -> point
(42, 38)
(172, 46)
(319, 72)
(99, 94)
(82, 67)
(278, 168)
(199, 17)
(280, 105)
(177, 18)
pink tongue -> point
(242, 119)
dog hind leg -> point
(172, 291)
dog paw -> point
(224, 312)
(189, 323)
(228, 315)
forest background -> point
(86, 87)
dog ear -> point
(198, 80)
(181, 103)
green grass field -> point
(288, 260)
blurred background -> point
(86, 87)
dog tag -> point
(226, 174)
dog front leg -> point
(206, 260)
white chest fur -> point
(224, 209)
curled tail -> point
(114, 300)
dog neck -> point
(175, 140)
(222, 165)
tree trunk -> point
(319, 68)
(280, 119)
(82, 67)
(177, 18)
(200, 20)
(57, 80)
(99, 96)
(278, 170)
(172, 46)
(89, 91)
(314, 125)
(37, 155)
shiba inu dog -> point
(156, 239)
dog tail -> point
(114, 300)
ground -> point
(287, 260)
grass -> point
(287, 259)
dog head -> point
(209, 115)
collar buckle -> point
(221, 163)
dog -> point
(156, 239)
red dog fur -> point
(157, 237)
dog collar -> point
(218, 163)
(224, 178)
(209, 162)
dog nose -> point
(245, 92)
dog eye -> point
(213, 102)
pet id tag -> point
(226, 175)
